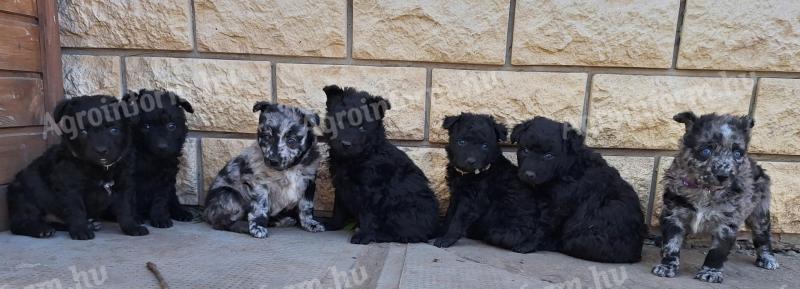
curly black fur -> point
(75, 181)
(598, 214)
(488, 202)
(375, 182)
(158, 136)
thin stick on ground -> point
(161, 282)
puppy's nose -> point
(530, 174)
(102, 150)
(162, 145)
(722, 178)
(471, 161)
(346, 144)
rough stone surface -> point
(777, 129)
(785, 196)
(658, 198)
(323, 198)
(301, 28)
(511, 97)
(433, 162)
(143, 24)
(222, 92)
(436, 31)
(404, 87)
(630, 111)
(635, 33)
(187, 185)
(217, 152)
(638, 171)
(741, 35)
(87, 75)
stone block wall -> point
(618, 70)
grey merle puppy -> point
(714, 186)
(271, 183)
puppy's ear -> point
(747, 123)
(449, 121)
(332, 90)
(500, 130)
(263, 106)
(380, 105)
(687, 118)
(130, 96)
(573, 138)
(62, 108)
(519, 129)
(185, 105)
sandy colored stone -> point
(658, 198)
(88, 75)
(638, 171)
(741, 35)
(217, 152)
(301, 27)
(433, 162)
(222, 92)
(323, 199)
(777, 117)
(785, 196)
(437, 31)
(632, 111)
(634, 33)
(188, 184)
(511, 97)
(141, 24)
(404, 87)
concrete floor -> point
(195, 256)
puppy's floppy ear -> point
(687, 118)
(62, 108)
(185, 105)
(263, 106)
(332, 90)
(380, 105)
(500, 130)
(746, 123)
(573, 137)
(519, 129)
(449, 121)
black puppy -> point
(488, 202)
(598, 214)
(75, 181)
(375, 183)
(159, 131)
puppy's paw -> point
(181, 215)
(95, 225)
(42, 231)
(525, 248)
(444, 242)
(767, 261)
(362, 238)
(708, 274)
(161, 222)
(258, 231)
(313, 226)
(667, 271)
(135, 231)
(81, 233)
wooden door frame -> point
(51, 58)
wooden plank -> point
(16, 152)
(24, 7)
(51, 57)
(3, 209)
(19, 46)
(21, 102)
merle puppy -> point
(271, 183)
(375, 182)
(488, 202)
(158, 136)
(597, 213)
(713, 186)
(76, 180)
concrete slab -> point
(195, 256)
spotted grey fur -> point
(714, 187)
(272, 182)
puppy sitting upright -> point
(488, 202)
(273, 178)
(714, 186)
(375, 183)
(597, 213)
(76, 180)
(158, 135)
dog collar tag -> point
(108, 185)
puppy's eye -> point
(485, 147)
(146, 127)
(291, 141)
(548, 156)
(171, 126)
(460, 142)
(738, 154)
(706, 152)
(114, 131)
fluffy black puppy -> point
(488, 202)
(159, 131)
(75, 181)
(375, 183)
(598, 214)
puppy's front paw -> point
(161, 222)
(81, 233)
(181, 215)
(767, 261)
(668, 271)
(135, 231)
(42, 231)
(708, 274)
(362, 238)
(95, 225)
(313, 226)
(258, 231)
(444, 242)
